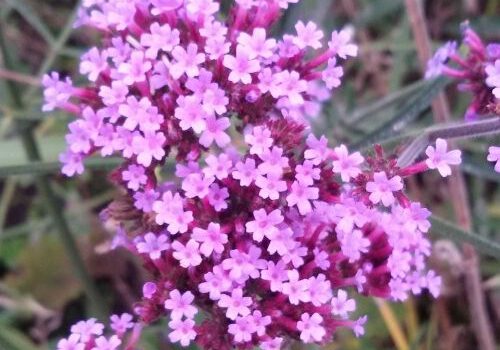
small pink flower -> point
(134, 70)
(103, 343)
(120, 323)
(290, 85)
(153, 245)
(187, 255)
(341, 44)
(270, 186)
(306, 173)
(332, 74)
(346, 165)
(196, 185)
(308, 35)
(272, 344)
(241, 66)
(259, 139)
(245, 172)
(236, 304)
(264, 224)
(71, 343)
(218, 167)
(441, 159)
(134, 176)
(217, 197)
(212, 239)
(186, 61)
(256, 44)
(242, 329)
(160, 38)
(381, 188)
(310, 328)
(182, 331)
(318, 149)
(180, 305)
(216, 283)
(301, 195)
(296, 289)
(342, 305)
(494, 156)
(87, 329)
(276, 274)
(214, 132)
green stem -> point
(43, 184)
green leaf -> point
(43, 168)
(448, 230)
(482, 170)
(12, 339)
(389, 101)
(406, 114)
(32, 18)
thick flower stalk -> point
(265, 231)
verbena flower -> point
(265, 229)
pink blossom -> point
(306, 173)
(260, 322)
(216, 283)
(182, 331)
(273, 161)
(180, 305)
(284, 3)
(301, 195)
(332, 74)
(341, 45)
(308, 35)
(256, 45)
(134, 70)
(381, 188)
(320, 290)
(296, 289)
(103, 343)
(264, 224)
(354, 244)
(134, 176)
(153, 245)
(494, 156)
(241, 66)
(160, 38)
(217, 197)
(342, 305)
(441, 159)
(310, 328)
(120, 323)
(289, 84)
(276, 274)
(190, 113)
(72, 163)
(145, 200)
(196, 185)
(149, 147)
(259, 140)
(245, 172)
(93, 63)
(187, 255)
(493, 77)
(280, 241)
(115, 94)
(359, 326)
(218, 167)
(242, 329)
(272, 344)
(215, 101)
(270, 186)
(186, 61)
(346, 165)
(318, 149)
(236, 304)
(56, 91)
(71, 343)
(87, 329)
(212, 239)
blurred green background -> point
(381, 100)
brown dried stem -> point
(458, 195)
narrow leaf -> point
(448, 230)
(43, 168)
(406, 114)
(32, 18)
(12, 339)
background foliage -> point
(382, 101)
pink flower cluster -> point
(478, 72)
(89, 334)
(265, 230)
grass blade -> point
(406, 114)
(448, 230)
